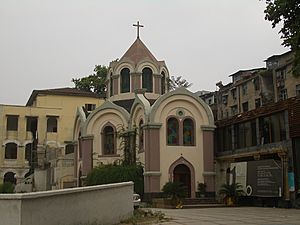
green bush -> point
(107, 174)
(6, 188)
(175, 190)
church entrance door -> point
(182, 174)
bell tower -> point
(137, 69)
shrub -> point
(231, 193)
(175, 190)
(107, 174)
(6, 188)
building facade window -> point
(147, 79)
(52, 124)
(31, 124)
(233, 93)
(234, 110)
(188, 132)
(172, 131)
(245, 134)
(281, 74)
(69, 149)
(272, 128)
(224, 138)
(125, 80)
(256, 83)
(90, 107)
(283, 94)
(244, 89)
(12, 123)
(11, 151)
(257, 103)
(245, 106)
(163, 82)
(108, 139)
(225, 99)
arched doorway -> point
(9, 177)
(182, 174)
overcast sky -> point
(44, 44)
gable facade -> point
(174, 130)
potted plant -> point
(231, 193)
(202, 189)
(175, 191)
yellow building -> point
(37, 137)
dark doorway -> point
(182, 174)
(9, 177)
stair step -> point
(193, 201)
(217, 205)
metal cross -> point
(138, 28)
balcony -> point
(275, 147)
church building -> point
(174, 129)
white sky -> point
(44, 44)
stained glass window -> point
(147, 79)
(188, 132)
(108, 141)
(125, 80)
(172, 131)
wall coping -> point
(42, 194)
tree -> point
(94, 82)
(287, 12)
(176, 82)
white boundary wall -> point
(104, 204)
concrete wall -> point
(104, 204)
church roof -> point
(127, 103)
(138, 52)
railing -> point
(262, 147)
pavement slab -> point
(232, 216)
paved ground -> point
(232, 216)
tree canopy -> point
(287, 13)
(176, 82)
(94, 82)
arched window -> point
(108, 147)
(9, 177)
(163, 82)
(125, 80)
(11, 151)
(188, 132)
(147, 79)
(111, 81)
(172, 131)
(141, 136)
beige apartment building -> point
(258, 132)
(253, 88)
(36, 139)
